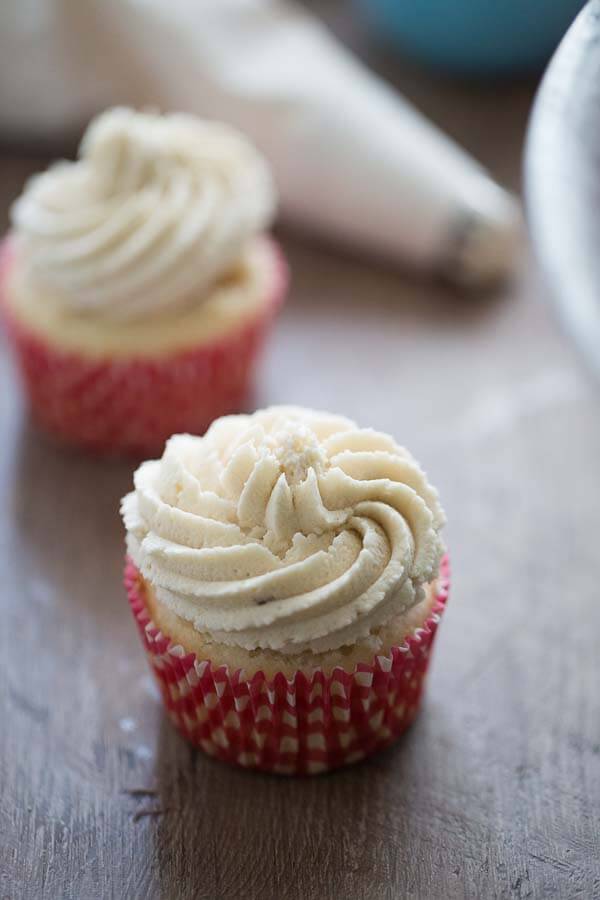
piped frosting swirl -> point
(153, 212)
(288, 530)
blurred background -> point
(386, 323)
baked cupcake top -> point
(288, 530)
(152, 213)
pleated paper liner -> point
(308, 724)
(130, 407)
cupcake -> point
(137, 283)
(287, 575)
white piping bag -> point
(353, 161)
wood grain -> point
(495, 791)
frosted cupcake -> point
(287, 576)
(137, 283)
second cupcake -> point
(138, 284)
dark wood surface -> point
(563, 181)
(495, 791)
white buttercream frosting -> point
(287, 530)
(153, 212)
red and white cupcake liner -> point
(131, 406)
(308, 724)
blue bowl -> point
(475, 36)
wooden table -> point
(495, 791)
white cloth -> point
(352, 160)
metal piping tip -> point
(486, 242)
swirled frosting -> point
(152, 213)
(287, 530)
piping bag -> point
(354, 162)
